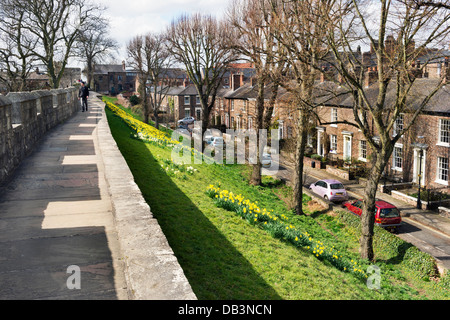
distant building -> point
(111, 78)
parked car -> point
(266, 160)
(386, 214)
(186, 121)
(330, 189)
(217, 142)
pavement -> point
(66, 228)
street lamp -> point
(419, 201)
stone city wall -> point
(25, 117)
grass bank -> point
(226, 256)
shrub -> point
(134, 100)
(399, 250)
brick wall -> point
(427, 125)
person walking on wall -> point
(83, 95)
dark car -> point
(386, 214)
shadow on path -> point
(55, 213)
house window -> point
(363, 150)
(442, 170)
(281, 129)
(334, 116)
(398, 158)
(187, 112)
(444, 131)
(232, 105)
(198, 113)
(187, 100)
(197, 99)
(398, 125)
(333, 143)
(289, 132)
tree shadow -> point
(401, 251)
(215, 269)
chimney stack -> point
(370, 77)
(236, 81)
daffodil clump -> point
(279, 227)
(178, 170)
(142, 131)
(150, 134)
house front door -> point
(347, 148)
(419, 166)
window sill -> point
(445, 183)
(443, 144)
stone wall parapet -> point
(25, 117)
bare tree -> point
(253, 39)
(93, 44)
(301, 29)
(16, 58)
(199, 42)
(55, 24)
(399, 37)
(150, 57)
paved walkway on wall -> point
(62, 209)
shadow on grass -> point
(214, 268)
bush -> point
(134, 100)
(399, 250)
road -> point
(428, 240)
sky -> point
(129, 18)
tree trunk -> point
(155, 114)
(368, 216)
(256, 173)
(299, 154)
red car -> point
(386, 215)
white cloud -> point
(133, 17)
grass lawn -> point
(225, 257)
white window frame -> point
(187, 99)
(196, 112)
(197, 99)
(440, 169)
(187, 112)
(363, 150)
(333, 143)
(399, 124)
(395, 158)
(334, 117)
(440, 136)
(281, 129)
